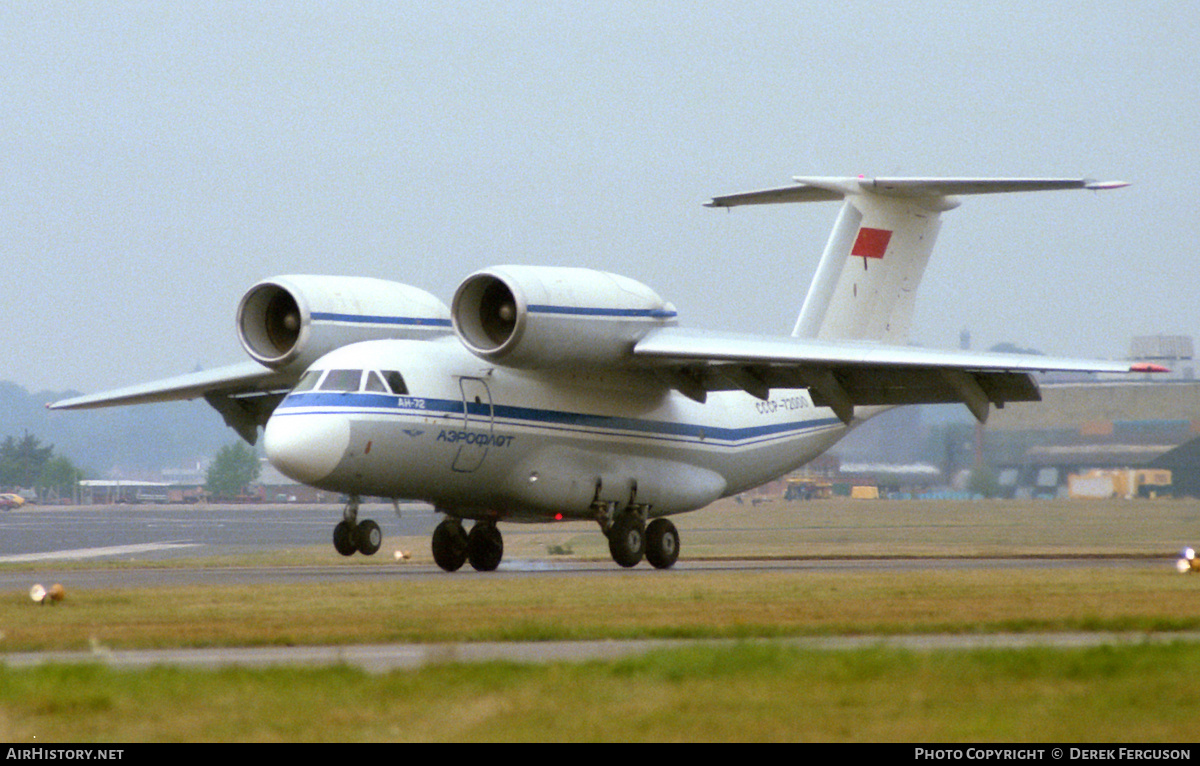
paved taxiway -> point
(51, 543)
(380, 658)
(146, 532)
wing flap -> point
(847, 375)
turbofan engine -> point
(542, 316)
(292, 320)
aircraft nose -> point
(307, 447)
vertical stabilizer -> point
(866, 283)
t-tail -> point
(866, 283)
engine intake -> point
(541, 316)
(295, 319)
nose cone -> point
(306, 447)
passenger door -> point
(477, 425)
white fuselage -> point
(484, 441)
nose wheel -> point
(352, 536)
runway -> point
(146, 532)
(48, 545)
(55, 543)
(182, 575)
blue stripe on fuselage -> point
(318, 402)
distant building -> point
(1080, 427)
(1174, 352)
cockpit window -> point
(308, 381)
(374, 383)
(395, 382)
(341, 380)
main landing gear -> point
(630, 539)
(352, 536)
(453, 546)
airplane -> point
(549, 393)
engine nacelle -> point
(293, 320)
(542, 316)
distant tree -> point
(232, 471)
(1007, 347)
(60, 477)
(23, 460)
(983, 481)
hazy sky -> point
(158, 158)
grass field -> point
(748, 691)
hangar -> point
(1080, 426)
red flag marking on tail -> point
(871, 243)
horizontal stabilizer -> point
(866, 282)
(827, 189)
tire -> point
(343, 539)
(450, 545)
(627, 540)
(662, 544)
(368, 537)
(485, 547)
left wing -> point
(843, 375)
(245, 394)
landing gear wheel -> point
(368, 537)
(662, 544)
(485, 547)
(627, 540)
(343, 538)
(450, 545)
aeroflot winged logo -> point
(871, 243)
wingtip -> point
(1147, 367)
(1101, 185)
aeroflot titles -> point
(471, 437)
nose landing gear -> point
(351, 536)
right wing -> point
(845, 374)
(245, 394)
